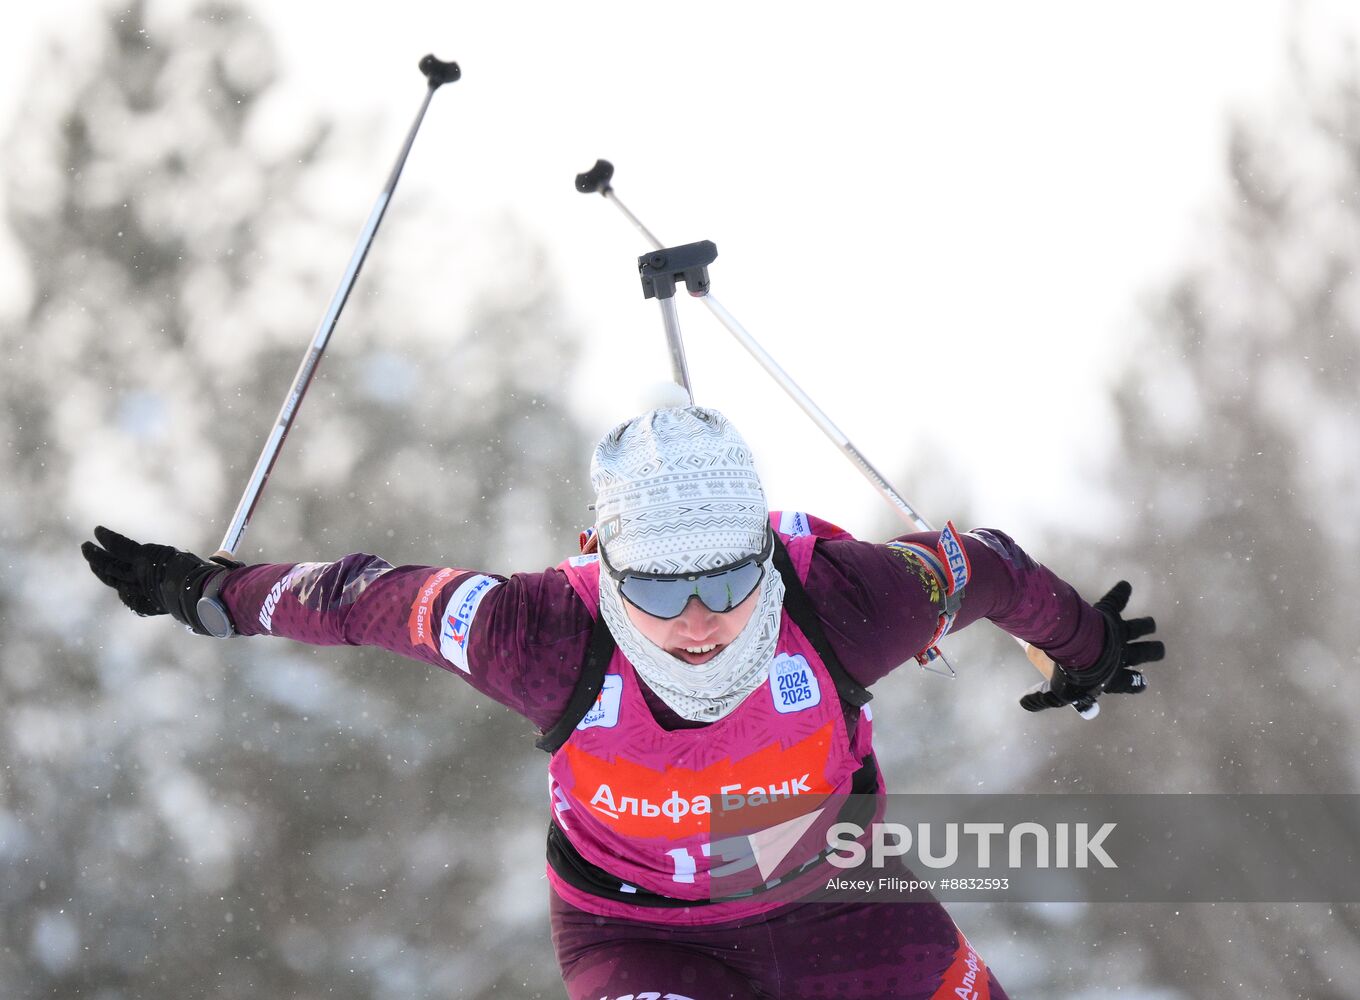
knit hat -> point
(677, 492)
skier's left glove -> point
(1114, 672)
(154, 579)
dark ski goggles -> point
(665, 595)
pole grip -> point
(596, 178)
(1087, 708)
(438, 72)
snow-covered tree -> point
(180, 817)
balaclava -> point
(676, 492)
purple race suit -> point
(634, 798)
(522, 641)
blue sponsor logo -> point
(953, 553)
(462, 607)
(793, 685)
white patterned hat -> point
(676, 491)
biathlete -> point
(700, 644)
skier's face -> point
(697, 635)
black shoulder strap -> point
(588, 686)
(798, 606)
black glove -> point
(1113, 673)
(154, 579)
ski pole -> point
(597, 179)
(437, 72)
(211, 611)
(660, 271)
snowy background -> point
(1080, 272)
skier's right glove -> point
(155, 579)
(1114, 672)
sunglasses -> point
(665, 595)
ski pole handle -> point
(1088, 708)
(438, 72)
(596, 179)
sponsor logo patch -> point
(677, 802)
(793, 685)
(794, 523)
(604, 714)
(457, 625)
(955, 558)
(422, 611)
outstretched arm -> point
(881, 605)
(519, 640)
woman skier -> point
(700, 644)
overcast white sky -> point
(938, 218)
